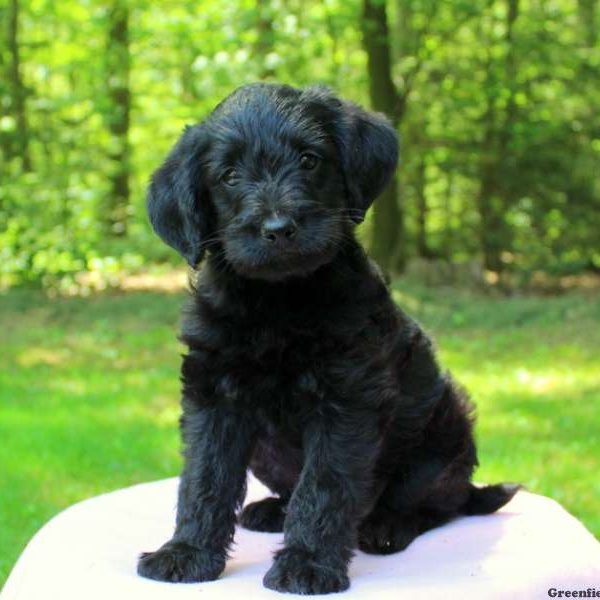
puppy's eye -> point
(230, 177)
(308, 161)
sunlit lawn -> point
(88, 395)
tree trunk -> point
(388, 243)
(18, 93)
(423, 249)
(491, 225)
(587, 16)
(118, 117)
(493, 232)
(495, 198)
(447, 246)
(510, 74)
(265, 38)
(4, 136)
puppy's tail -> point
(488, 499)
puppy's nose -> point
(278, 229)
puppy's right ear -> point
(177, 201)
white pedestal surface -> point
(89, 552)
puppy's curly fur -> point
(300, 366)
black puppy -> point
(300, 366)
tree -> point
(495, 102)
(265, 38)
(118, 117)
(18, 92)
(495, 196)
(387, 246)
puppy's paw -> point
(180, 562)
(266, 515)
(297, 571)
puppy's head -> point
(274, 178)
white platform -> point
(89, 552)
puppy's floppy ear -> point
(369, 149)
(177, 201)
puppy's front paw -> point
(180, 562)
(297, 571)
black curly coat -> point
(300, 366)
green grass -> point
(89, 395)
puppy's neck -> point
(339, 280)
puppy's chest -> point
(285, 365)
(278, 374)
(267, 362)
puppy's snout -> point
(278, 229)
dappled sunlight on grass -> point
(89, 402)
(544, 381)
(534, 386)
(408, 302)
(32, 357)
(539, 426)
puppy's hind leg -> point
(265, 515)
(386, 531)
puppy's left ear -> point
(369, 149)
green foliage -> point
(512, 119)
(89, 395)
(498, 119)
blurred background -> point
(490, 231)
